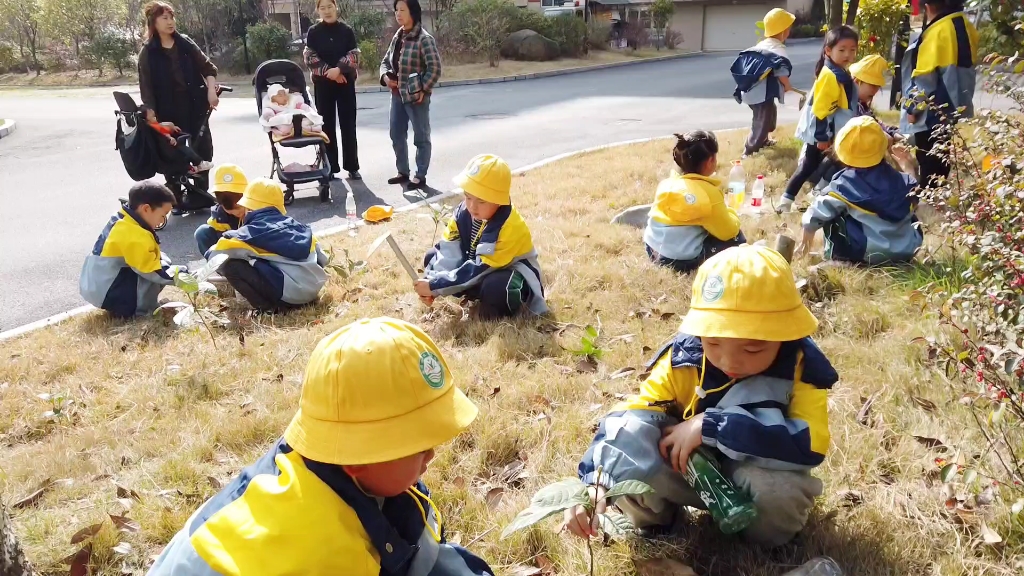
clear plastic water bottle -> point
(820, 566)
(350, 213)
(757, 195)
(737, 185)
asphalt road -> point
(60, 176)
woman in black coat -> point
(179, 82)
(332, 56)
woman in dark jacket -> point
(332, 56)
(178, 81)
(411, 69)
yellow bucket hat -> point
(378, 213)
(376, 390)
(776, 21)
(747, 292)
(487, 177)
(870, 69)
(263, 193)
(229, 178)
(862, 143)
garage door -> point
(732, 27)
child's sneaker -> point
(204, 166)
(784, 205)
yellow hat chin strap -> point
(436, 534)
(699, 393)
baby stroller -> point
(292, 77)
(145, 153)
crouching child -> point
(229, 183)
(274, 260)
(126, 271)
(867, 211)
(743, 379)
(486, 253)
(340, 492)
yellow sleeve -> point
(514, 240)
(685, 204)
(810, 404)
(451, 233)
(665, 384)
(722, 222)
(825, 96)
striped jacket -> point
(418, 63)
(777, 419)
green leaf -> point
(970, 475)
(963, 355)
(186, 282)
(532, 515)
(568, 492)
(615, 525)
(996, 416)
(948, 473)
(629, 488)
(591, 333)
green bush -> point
(368, 25)
(599, 34)
(878, 21)
(114, 48)
(268, 41)
(520, 19)
(993, 40)
(370, 55)
(480, 27)
(8, 58)
(570, 33)
(807, 31)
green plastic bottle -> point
(732, 509)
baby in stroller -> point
(178, 139)
(280, 107)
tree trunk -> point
(835, 13)
(12, 559)
(851, 13)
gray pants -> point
(783, 500)
(766, 116)
(403, 114)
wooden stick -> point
(786, 246)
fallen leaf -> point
(850, 498)
(245, 404)
(125, 524)
(124, 492)
(646, 350)
(494, 392)
(545, 564)
(79, 561)
(863, 416)
(662, 567)
(587, 364)
(989, 535)
(668, 315)
(513, 473)
(99, 477)
(217, 484)
(126, 503)
(928, 405)
(86, 533)
(622, 372)
(459, 482)
(931, 442)
(524, 570)
(122, 548)
(494, 497)
(35, 495)
(539, 400)
(987, 497)
(595, 407)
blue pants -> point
(402, 114)
(501, 294)
(206, 237)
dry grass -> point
(163, 413)
(460, 71)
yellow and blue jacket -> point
(777, 419)
(472, 249)
(867, 215)
(222, 221)
(287, 515)
(942, 59)
(830, 105)
(125, 272)
(686, 210)
(757, 71)
(283, 250)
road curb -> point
(7, 128)
(545, 74)
(61, 317)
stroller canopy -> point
(283, 72)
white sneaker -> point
(784, 205)
(204, 166)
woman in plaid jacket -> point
(410, 68)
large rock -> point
(635, 216)
(529, 45)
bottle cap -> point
(737, 162)
(760, 176)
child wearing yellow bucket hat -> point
(762, 76)
(486, 253)
(869, 76)
(743, 379)
(274, 261)
(340, 492)
(867, 210)
(228, 183)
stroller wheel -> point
(289, 196)
(325, 192)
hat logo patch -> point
(713, 289)
(690, 199)
(228, 178)
(474, 170)
(432, 370)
